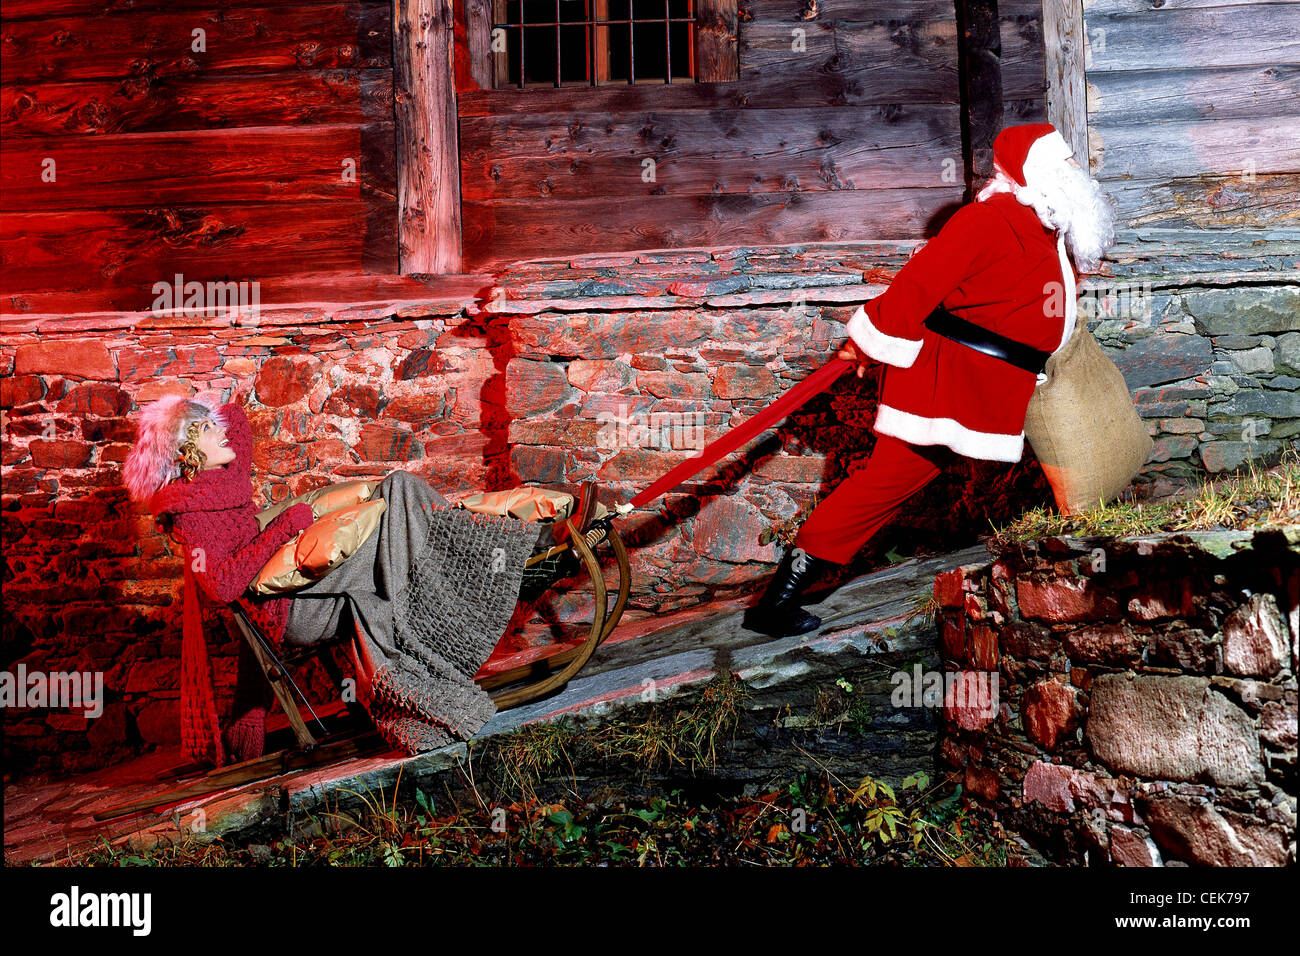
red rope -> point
(819, 381)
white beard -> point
(1070, 201)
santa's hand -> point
(850, 352)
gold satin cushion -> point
(324, 500)
(526, 504)
(321, 548)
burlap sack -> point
(1083, 426)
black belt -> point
(943, 322)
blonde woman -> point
(433, 588)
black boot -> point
(777, 612)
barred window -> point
(554, 43)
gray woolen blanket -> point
(433, 588)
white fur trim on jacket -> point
(920, 430)
(1071, 294)
(883, 348)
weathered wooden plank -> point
(1125, 98)
(1015, 112)
(144, 104)
(122, 248)
(707, 151)
(261, 164)
(474, 55)
(1189, 150)
(41, 9)
(1144, 6)
(501, 231)
(824, 85)
(1254, 34)
(256, 40)
(1208, 202)
(1015, 9)
(1063, 44)
(865, 11)
(428, 169)
(907, 48)
(1024, 73)
(715, 41)
(866, 65)
(316, 291)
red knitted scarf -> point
(200, 730)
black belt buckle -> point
(950, 326)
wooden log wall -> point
(133, 151)
(845, 124)
(1194, 111)
(1024, 80)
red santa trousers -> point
(869, 496)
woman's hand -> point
(850, 352)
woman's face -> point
(212, 442)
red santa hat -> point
(1025, 151)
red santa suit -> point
(994, 264)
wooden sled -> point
(510, 688)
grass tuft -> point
(1255, 498)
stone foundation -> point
(1146, 704)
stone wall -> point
(1207, 333)
(607, 367)
(1145, 712)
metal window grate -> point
(593, 42)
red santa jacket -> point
(994, 264)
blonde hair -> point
(190, 459)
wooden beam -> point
(428, 164)
(322, 36)
(119, 248)
(715, 40)
(548, 155)
(601, 53)
(479, 15)
(196, 167)
(1063, 42)
(503, 231)
(979, 68)
(151, 103)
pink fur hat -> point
(160, 432)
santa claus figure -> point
(999, 277)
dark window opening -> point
(594, 42)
